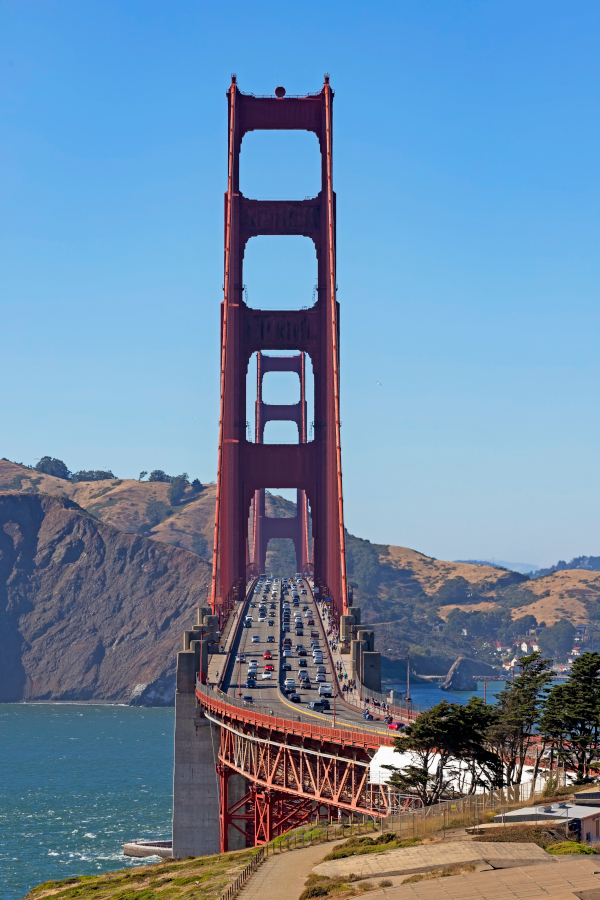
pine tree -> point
(518, 712)
(570, 721)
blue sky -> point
(466, 171)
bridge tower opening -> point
(265, 528)
(246, 468)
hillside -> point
(142, 507)
(87, 612)
(420, 605)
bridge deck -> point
(230, 670)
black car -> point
(287, 642)
(295, 698)
(270, 623)
(250, 683)
(247, 698)
(302, 663)
(270, 639)
(286, 667)
(302, 652)
(318, 705)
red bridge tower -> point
(313, 467)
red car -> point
(267, 655)
(269, 668)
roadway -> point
(267, 637)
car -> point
(310, 621)
(270, 637)
(299, 646)
(247, 698)
(262, 618)
(295, 698)
(256, 639)
(250, 683)
(320, 677)
(314, 634)
(287, 654)
(302, 652)
(241, 657)
(287, 642)
(321, 669)
(299, 632)
(286, 667)
(302, 663)
(269, 667)
(267, 655)
(325, 690)
(289, 681)
(285, 628)
(267, 676)
(317, 656)
(304, 608)
(303, 591)
(272, 606)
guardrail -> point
(225, 705)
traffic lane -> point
(311, 692)
(306, 609)
(265, 690)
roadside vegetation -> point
(456, 749)
(206, 877)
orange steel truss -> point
(295, 771)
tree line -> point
(457, 748)
(49, 465)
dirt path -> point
(282, 877)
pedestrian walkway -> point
(282, 876)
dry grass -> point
(446, 872)
(204, 878)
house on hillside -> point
(528, 647)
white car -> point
(262, 618)
(287, 654)
(320, 677)
(256, 639)
(325, 690)
(267, 676)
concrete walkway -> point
(564, 878)
(283, 875)
(426, 857)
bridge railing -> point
(301, 725)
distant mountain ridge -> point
(523, 568)
(433, 609)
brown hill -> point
(400, 590)
(87, 612)
(141, 507)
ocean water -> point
(76, 783)
(428, 695)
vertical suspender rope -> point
(334, 338)
(232, 91)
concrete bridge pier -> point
(195, 780)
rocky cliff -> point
(87, 612)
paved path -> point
(564, 878)
(282, 877)
(431, 856)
